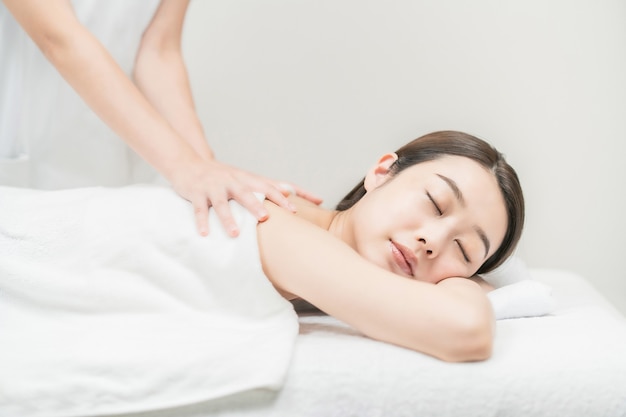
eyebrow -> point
(459, 196)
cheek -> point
(373, 250)
(368, 236)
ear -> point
(379, 173)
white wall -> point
(314, 90)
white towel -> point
(111, 302)
(516, 294)
(526, 298)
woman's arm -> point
(452, 320)
(161, 75)
(88, 67)
(487, 287)
(93, 73)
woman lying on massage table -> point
(439, 210)
(392, 261)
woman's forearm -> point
(158, 123)
(161, 75)
(86, 65)
(119, 103)
(162, 78)
(452, 320)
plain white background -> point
(313, 91)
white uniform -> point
(49, 138)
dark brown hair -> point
(438, 144)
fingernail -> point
(292, 207)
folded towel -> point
(516, 294)
(526, 298)
(111, 302)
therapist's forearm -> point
(120, 104)
(96, 77)
(162, 77)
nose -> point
(430, 247)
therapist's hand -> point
(213, 184)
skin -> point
(430, 221)
(432, 307)
(153, 113)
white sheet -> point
(570, 363)
(135, 311)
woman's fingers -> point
(307, 195)
(278, 196)
(251, 203)
(222, 209)
(288, 188)
(201, 213)
(214, 184)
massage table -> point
(108, 310)
(570, 363)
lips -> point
(403, 257)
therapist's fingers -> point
(277, 196)
(225, 216)
(201, 213)
(288, 188)
(251, 203)
(248, 184)
(218, 183)
(307, 195)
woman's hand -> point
(161, 75)
(155, 118)
(213, 184)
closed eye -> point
(432, 200)
(467, 259)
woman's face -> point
(435, 220)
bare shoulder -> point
(451, 321)
(288, 243)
